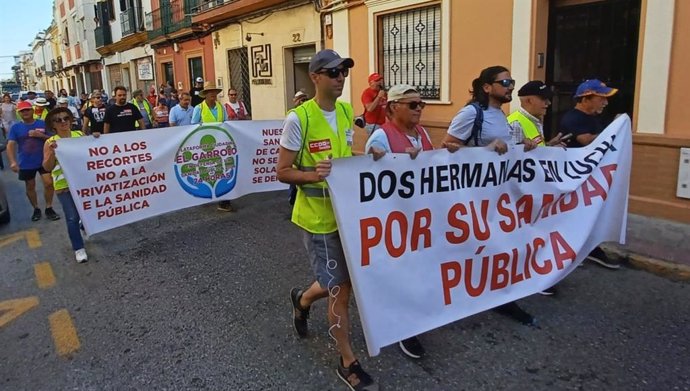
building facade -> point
(440, 46)
(262, 49)
(122, 42)
(81, 64)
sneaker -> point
(355, 377)
(412, 347)
(51, 215)
(299, 315)
(548, 291)
(599, 256)
(514, 311)
(37, 215)
(225, 206)
(81, 256)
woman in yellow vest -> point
(145, 108)
(60, 120)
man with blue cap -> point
(583, 123)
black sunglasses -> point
(414, 105)
(61, 119)
(506, 82)
(333, 73)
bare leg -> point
(313, 293)
(339, 319)
(31, 192)
(48, 189)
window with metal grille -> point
(410, 49)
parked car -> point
(4, 206)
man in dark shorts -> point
(26, 140)
(122, 116)
(583, 122)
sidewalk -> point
(659, 246)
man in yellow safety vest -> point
(209, 111)
(319, 130)
(527, 122)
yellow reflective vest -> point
(59, 181)
(147, 107)
(529, 129)
(312, 210)
(207, 115)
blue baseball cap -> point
(328, 58)
(594, 87)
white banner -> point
(445, 236)
(124, 177)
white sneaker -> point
(81, 256)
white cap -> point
(199, 79)
(401, 91)
(300, 94)
(62, 100)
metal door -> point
(238, 62)
(588, 41)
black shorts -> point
(27, 175)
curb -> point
(671, 270)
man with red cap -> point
(26, 140)
(374, 101)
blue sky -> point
(21, 21)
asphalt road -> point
(199, 300)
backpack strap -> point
(476, 134)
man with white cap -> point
(300, 97)
(40, 108)
(319, 130)
(196, 91)
(64, 102)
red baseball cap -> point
(375, 77)
(24, 105)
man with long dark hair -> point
(482, 123)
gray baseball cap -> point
(328, 58)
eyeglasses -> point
(414, 105)
(506, 82)
(61, 119)
(333, 73)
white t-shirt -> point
(291, 139)
(495, 126)
(379, 140)
(235, 106)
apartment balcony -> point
(131, 21)
(170, 20)
(214, 11)
(103, 36)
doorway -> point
(168, 73)
(238, 62)
(297, 72)
(196, 69)
(593, 40)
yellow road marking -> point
(44, 275)
(12, 309)
(33, 239)
(64, 333)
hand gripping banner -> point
(447, 235)
(121, 178)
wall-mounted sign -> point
(262, 81)
(145, 68)
(261, 61)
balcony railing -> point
(205, 5)
(130, 21)
(103, 35)
(169, 18)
